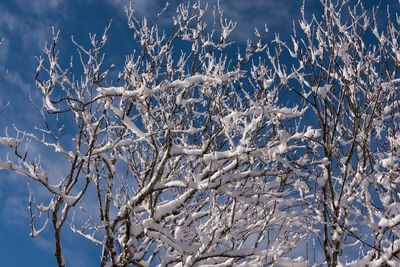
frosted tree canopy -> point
(203, 151)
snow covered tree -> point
(347, 74)
(189, 157)
(183, 156)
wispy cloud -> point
(4, 51)
(15, 211)
(40, 7)
(278, 15)
(7, 20)
(143, 8)
(15, 90)
(22, 32)
(29, 22)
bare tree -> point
(184, 155)
(347, 74)
(188, 158)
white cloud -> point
(40, 7)
(120, 4)
(4, 51)
(16, 28)
(15, 211)
(7, 20)
(256, 13)
(141, 7)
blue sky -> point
(25, 26)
